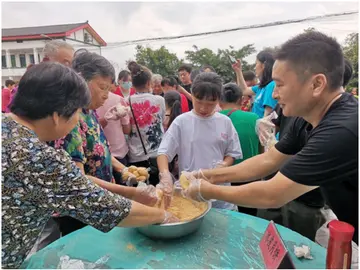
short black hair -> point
(90, 64)
(209, 67)
(194, 74)
(314, 53)
(231, 93)
(249, 75)
(140, 75)
(266, 57)
(47, 88)
(9, 82)
(207, 86)
(171, 81)
(123, 74)
(348, 72)
(166, 81)
(186, 67)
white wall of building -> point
(35, 47)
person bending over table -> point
(308, 73)
(38, 180)
(87, 144)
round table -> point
(226, 239)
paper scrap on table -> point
(303, 252)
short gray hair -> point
(90, 65)
(156, 78)
(53, 46)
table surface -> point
(226, 239)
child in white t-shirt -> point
(201, 138)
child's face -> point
(204, 108)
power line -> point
(254, 26)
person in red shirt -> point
(6, 94)
(170, 83)
(124, 88)
(250, 79)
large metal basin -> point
(174, 230)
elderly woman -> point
(38, 180)
(156, 85)
(86, 143)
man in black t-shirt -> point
(308, 73)
(184, 75)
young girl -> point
(173, 107)
(201, 138)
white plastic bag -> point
(67, 263)
(265, 129)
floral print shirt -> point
(87, 144)
(149, 111)
(38, 180)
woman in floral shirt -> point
(86, 143)
(38, 180)
(149, 112)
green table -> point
(226, 239)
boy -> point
(201, 138)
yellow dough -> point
(184, 182)
(185, 209)
(141, 178)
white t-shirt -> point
(149, 111)
(200, 143)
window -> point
(32, 59)
(3, 61)
(22, 60)
(86, 38)
(13, 61)
(39, 60)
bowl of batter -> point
(190, 214)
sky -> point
(123, 21)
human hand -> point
(193, 190)
(128, 177)
(237, 66)
(166, 185)
(170, 218)
(116, 112)
(146, 194)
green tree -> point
(220, 60)
(351, 52)
(159, 61)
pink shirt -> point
(5, 99)
(113, 130)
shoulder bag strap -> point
(231, 112)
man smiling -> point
(320, 149)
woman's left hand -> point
(146, 194)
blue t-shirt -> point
(263, 97)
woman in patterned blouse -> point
(86, 143)
(38, 180)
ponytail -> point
(175, 111)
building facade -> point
(24, 46)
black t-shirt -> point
(313, 198)
(329, 157)
(188, 89)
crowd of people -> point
(71, 129)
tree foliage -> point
(351, 52)
(220, 60)
(159, 61)
(163, 62)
